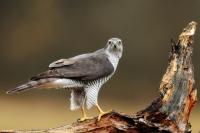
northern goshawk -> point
(84, 75)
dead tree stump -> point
(168, 113)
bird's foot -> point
(84, 119)
(102, 113)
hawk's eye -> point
(109, 42)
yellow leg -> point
(84, 116)
(101, 112)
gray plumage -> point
(84, 67)
(83, 74)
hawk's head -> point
(114, 46)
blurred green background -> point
(33, 33)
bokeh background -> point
(33, 33)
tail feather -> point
(31, 85)
(24, 87)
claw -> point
(84, 116)
(102, 114)
(84, 119)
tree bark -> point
(168, 113)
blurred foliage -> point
(34, 33)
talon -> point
(102, 113)
(84, 119)
(84, 116)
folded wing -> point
(84, 68)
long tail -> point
(32, 85)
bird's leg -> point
(84, 116)
(101, 112)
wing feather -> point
(88, 68)
(61, 62)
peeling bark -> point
(168, 113)
(177, 92)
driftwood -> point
(168, 113)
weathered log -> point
(177, 93)
(168, 113)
